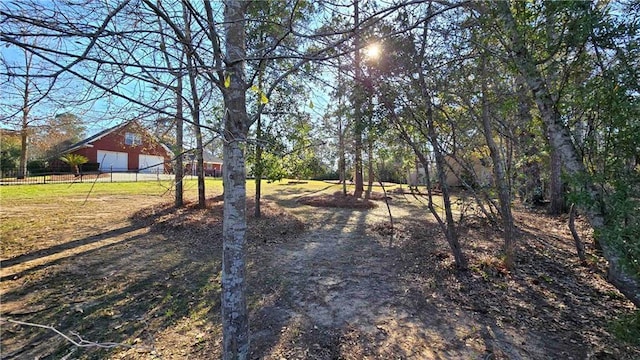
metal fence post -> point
(111, 173)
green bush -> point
(89, 167)
(9, 156)
(327, 175)
(37, 167)
(389, 172)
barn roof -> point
(87, 142)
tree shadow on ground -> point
(124, 293)
(336, 290)
(158, 291)
(345, 300)
(549, 306)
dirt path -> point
(345, 290)
(351, 295)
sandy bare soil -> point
(324, 283)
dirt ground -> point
(324, 283)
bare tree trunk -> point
(179, 165)
(574, 233)
(370, 168)
(556, 192)
(24, 131)
(24, 146)
(357, 112)
(448, 226)
(342, 162)
(235, 320)
(258, 167)
(451, 233)
(179, 170)
(530, 189)
(504, 192)
(202, 200)
(560, 140)
(195, 115)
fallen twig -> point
(80, 342)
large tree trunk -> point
(342, 162)
(501, 181)
(560, 140)
(235, 320)
(179, 164)
(530, 189)
(556, 190)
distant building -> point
(125, 147)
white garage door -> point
(152, 164)
(113, 161)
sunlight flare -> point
(372, 51)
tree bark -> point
(451, 233)
(574, 233)
(179, 170)
(235, 320)
(342, 163)
(24, 130)
(195, 116)
(258, 167)
(501, 181)
(357, 112)
(24, 146)
(556, 190)
(179, 119)
(369, 168)
(560, 140)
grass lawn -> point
(82, 190)
(29, 214)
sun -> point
(372, 51)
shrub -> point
(90, 167)
(37, 167)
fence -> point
(12, 178)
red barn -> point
(126, 147)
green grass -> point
(44, 191)
(627, 328)
(50, 191)
(40, 192)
